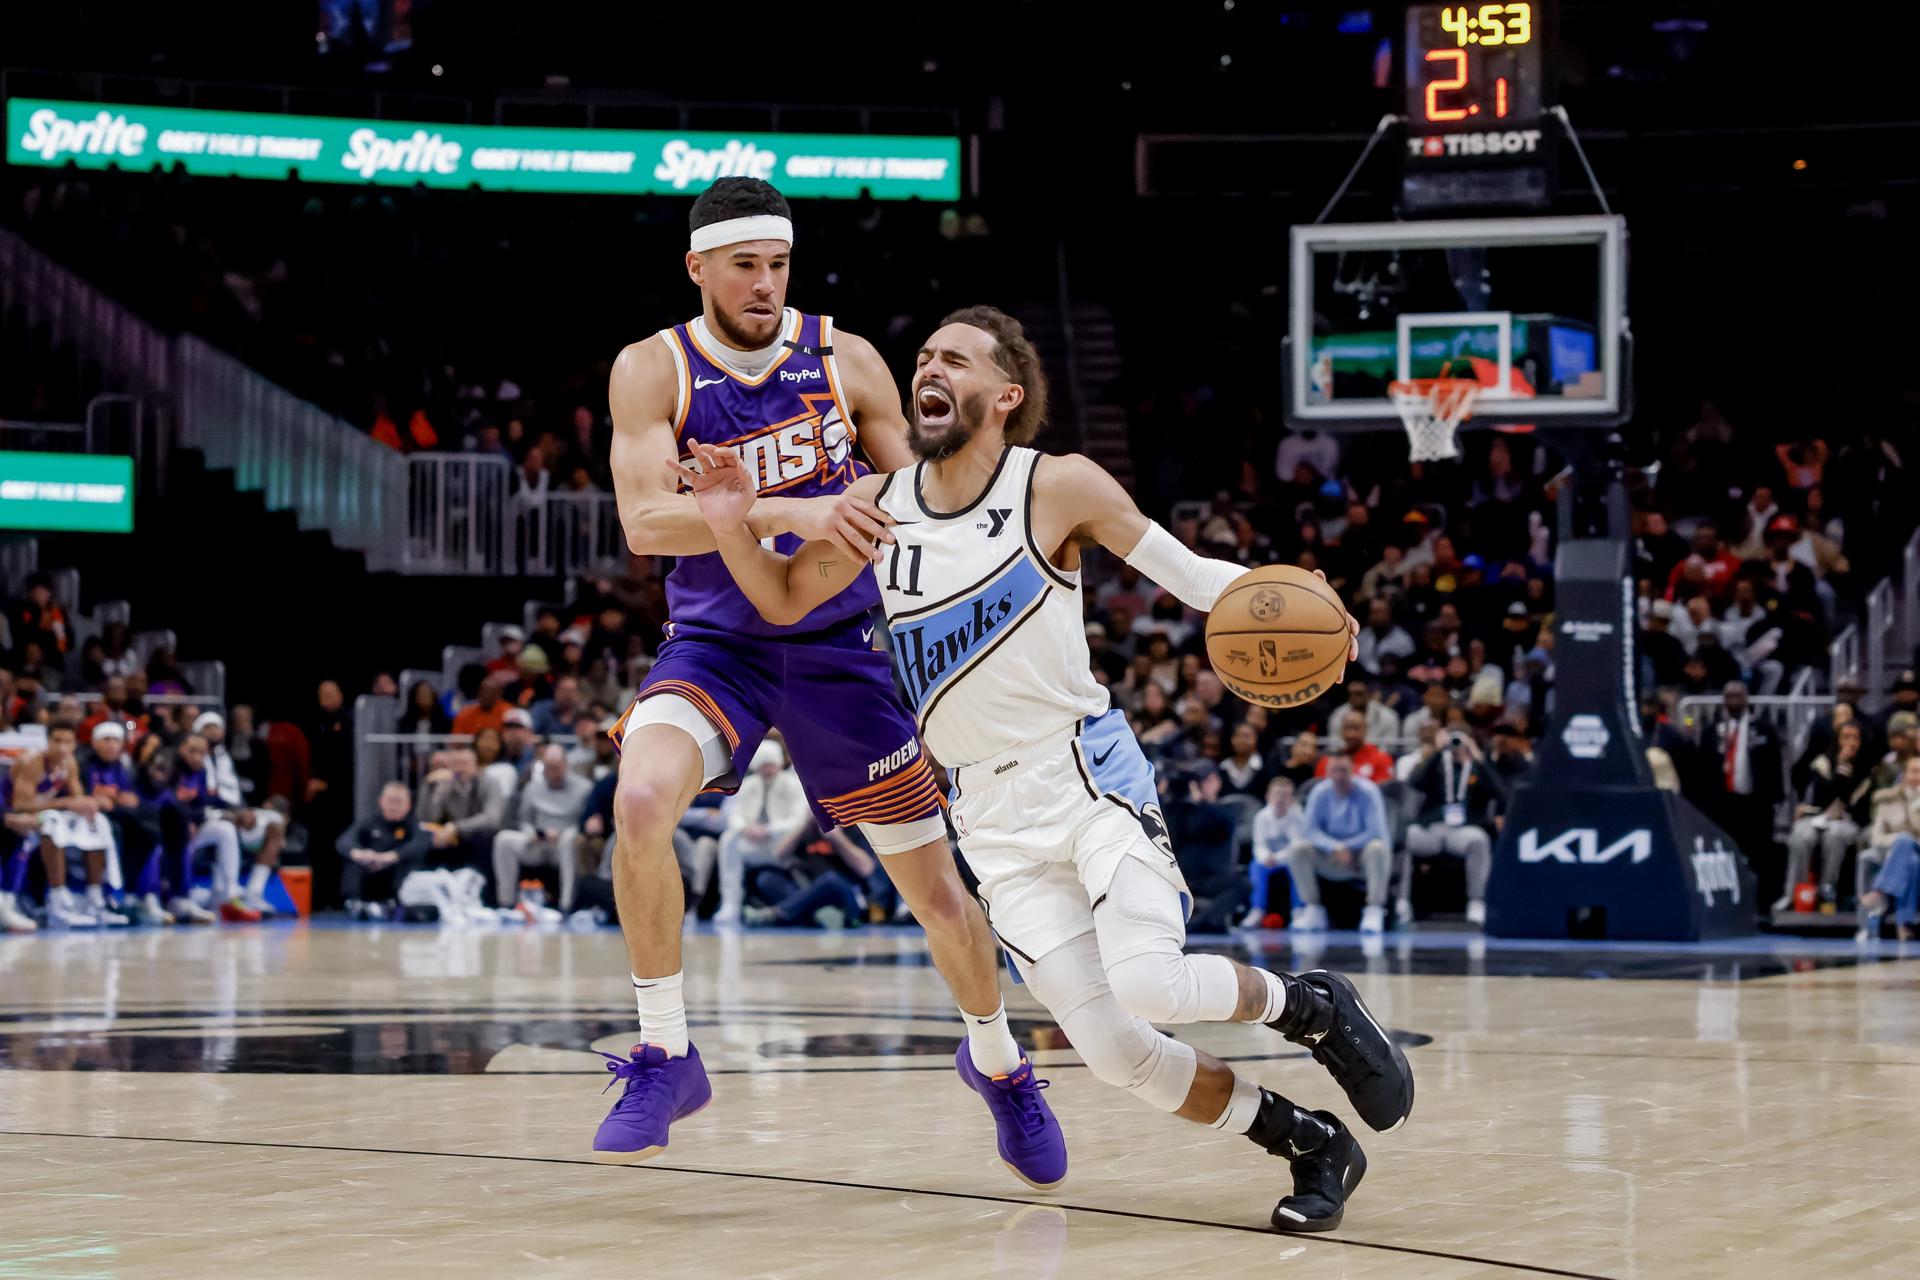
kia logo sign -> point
(1582, 845)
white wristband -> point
(1196, 581)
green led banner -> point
(70, 491)
(240, 144)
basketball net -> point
(1432, 410)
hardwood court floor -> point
(398, 1102)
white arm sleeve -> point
(1196, 581)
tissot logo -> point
(1582, 845)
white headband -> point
(766, 226)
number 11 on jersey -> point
(913, 569)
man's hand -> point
(549, 835)
(756, 831)
(720, 486)
(84, 807)
(1353, 630)
(438, 776)
(127, 800)
(853, 524)
(1343, 855)
(314, 787)
(446, 837)
(593, 826)
(365, 857)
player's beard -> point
(731, 328)
(938, 443)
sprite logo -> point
(368, 153)
(49, 135)
(682, 164)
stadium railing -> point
(563, 534)
(382, 755)
(456, 513)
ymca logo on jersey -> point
(814, 446)
(996, 522)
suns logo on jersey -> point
(818, 446)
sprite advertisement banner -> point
(238, 144)
(69, 491)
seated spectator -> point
(519, 744)
(1425, 744)
(39, 620)
(1888, 875)
(1434, 703)
(377, 855)
(191, 823)
(115, 706)
(833, 881)
(1379, 722)
(465, 691)
(1382, 636)
(1903, 730)
(71, 827)
(489, 748)
(108, 775)
(534, 680)
(262, 829)
(1709, 568)
(488, 711)
(1276, 828)
(557, 713)
(1512, 756)
(1662, 657)
(462, 810)
(765, 820)
(507, 665)
(1457, 793)
(1108, 666)
(552, 805)
(696, 844)
(422, 714)
(594, 850)
(1369, 762)
(594, 754)
(1243, 772)
(1156, 726)
(1344, 838)
(1835, 805)
(1302, 764)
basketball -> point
(1278, 637)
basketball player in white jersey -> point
(1054, 802)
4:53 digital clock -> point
(1472, 66)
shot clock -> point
(1475, 94)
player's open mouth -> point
(760, 311)
(934, 406)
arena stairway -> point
(282, 607)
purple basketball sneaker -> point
(659, 1091)
(1031, 1142)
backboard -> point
(1534, 309)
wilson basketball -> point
(1278, 637)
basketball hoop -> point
(1432, 410)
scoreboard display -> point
(1475, 93)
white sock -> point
(257, 880)
(96, 896)
(663, 1012)
(1276, 996)
(990, 1044)
(1243, 1107)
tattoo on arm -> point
(827, 567)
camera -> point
(1456, 739)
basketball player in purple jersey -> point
(797, 401)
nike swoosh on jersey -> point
(1100, 760)
(866, 635)
(707, 382)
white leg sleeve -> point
(1141, 933)
(219, 835)
(1119, 1048)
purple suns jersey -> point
(792, 428)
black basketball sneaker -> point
(1353, 1047)
(1326, 1162)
